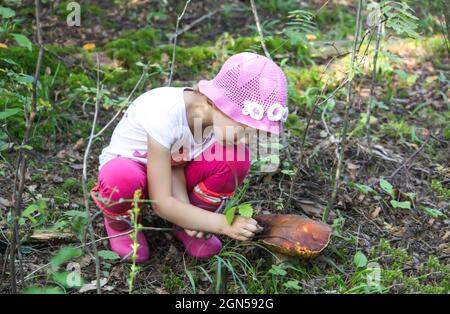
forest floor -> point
(392, 209)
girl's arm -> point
(180, 192)
(186, 215)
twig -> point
(258, 27)
(175, 36)
(301, 150)
(346, 116)
(411, 158)
(19, 178)
(144, 71)
(195, 22)
(373, 83)
(84, 179)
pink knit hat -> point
(250, 89)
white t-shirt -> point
(160, 112)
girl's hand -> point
(198, 234)
(243, 229)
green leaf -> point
(246, 210)
(68, 279)
(23, 41)
(277, 270)
(76, 213)
(229, 214)
(411, 195)
(387, 187)
(435, 213)
(405, 204)
(360, 259)
(39, 207)
(43, 290)
(292, 284)
(365, 189)
(9, 112)
(64, 255)
(288, 172)
(110, 255)
(7, 13)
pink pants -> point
(207, 178)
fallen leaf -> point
(76, 166)
(375, 212)
(61, 154)
(311, 37)
(446, 235)
(93, 285)
(78, 144)
(2, 45)
(352, 166)
(5, 202)
(311, 208)
(57, 179)
(160, 291)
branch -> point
(175, 36)
(373, 83)
(84, 179)
(19, 177)
(258, 27)
(336, 180)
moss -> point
(72, 185)
(440, 190)
(430, 277)
(57, 194)
(87, 10)
(173, 283)
(27, 60)
(399, 129)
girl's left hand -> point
(198, 234)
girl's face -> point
(226, 130)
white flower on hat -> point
(285, 114)
(255, 110)
(275, 112)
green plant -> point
(137, 227)
(395, 196)
(62, 279)
(439, 189)
(7, 28)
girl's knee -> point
(120, 178)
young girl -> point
(185, 149)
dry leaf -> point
(93, 285)
(78, 144)
(76, 166)
(446, 235)
(5, 202)
(61, 154)
(352, 166)
(311, 208)
(375, 212)
(2, 45)
(160, 291)
(311, 37)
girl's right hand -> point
(242, 229)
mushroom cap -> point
(293, 235)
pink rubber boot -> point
(117, 224)
(208, 200)
(122, 245)
(199, 248)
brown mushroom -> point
(293, 235)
